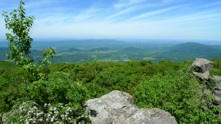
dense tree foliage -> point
(166, 85)
(31, 87)
(19, 43)
(19, 40)
(176, 93)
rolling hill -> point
(119, 52)
(189, 51)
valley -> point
(68, 51)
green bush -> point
(166, 85)
(217, 68)
(177, 94)
(58, 89)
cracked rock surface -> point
(118, 107)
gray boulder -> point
(201, 65)
(118, 107)
(201, 69)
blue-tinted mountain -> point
(189, 51)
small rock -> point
(217, 93)
(217, 80)
(217, 100)
(202, 76)
(207, 92)
(161, 117)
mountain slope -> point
(189, 51)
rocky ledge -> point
(212, 84)
(118, 108)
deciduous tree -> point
(19, 40)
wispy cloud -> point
(37, 4)
(195, 17)
(147, 14)
(119, 13)
(122, 18)
(211, 4)
(126, 3)
(87, 14)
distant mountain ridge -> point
(90, 43)
(190, 51)
(122, 51)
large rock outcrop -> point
(118, 108)
(202, 65)
(201, 70)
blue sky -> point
(151, 19)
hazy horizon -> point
(4, 42)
